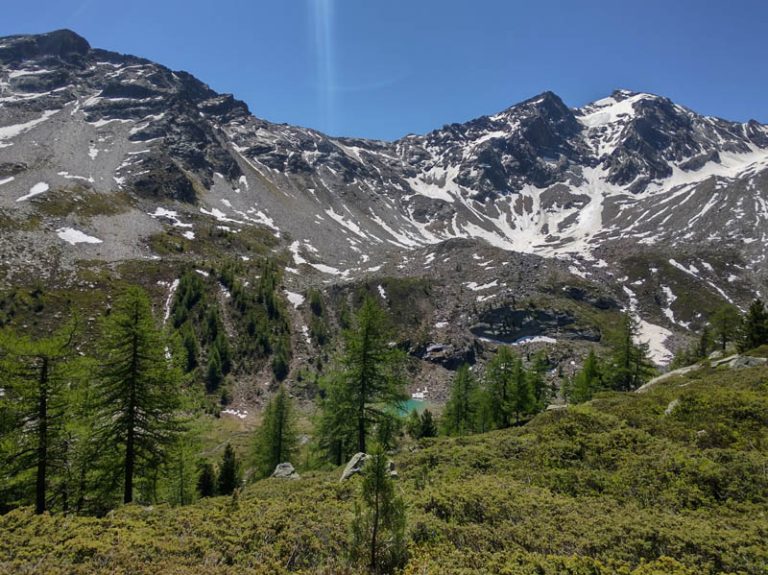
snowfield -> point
(73, 236)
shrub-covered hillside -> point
(672, 481)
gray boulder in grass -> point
(285, 471)
(357, 463)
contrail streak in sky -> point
(323, 21)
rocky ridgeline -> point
(632, 193)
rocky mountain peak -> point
(546, 104)
(63, 44)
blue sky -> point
(382, 69)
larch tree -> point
(206, 480)
(368, 383)
(459, 414)
(36, 376)
(510, 388)
(630, 365)
(588, 380)
(537, 374)
(705, 343)
(138, 388)
(336, 428)
(229, 472)
(754, 329)
(276, 439)
(180, 470)
(378, 529)
(427, 426)
(726, 322)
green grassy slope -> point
(673, 481)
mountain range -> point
(632, 201)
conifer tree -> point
(427, 427)
(138, 388)
(705, 342)
(368, 382)
(180, 476)
(588, 381)
(79, 489)
(630, 366)
(523, 394)
(498, 382)
(510, 388)
(413, 424)
(276, 439)
(336, 425)
(459, 414)
(211, 324)
(222, 348)
(191, 348)
(36, 376)
(315, 302)
(754, 331)
(388, 429)
(280, 360)
(536, 374)
(726, 322)
(206, 481)
(214, 374)
(484, 414)
(378, 530)
(229, 472)
(189, 294)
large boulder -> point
(739, 361)
(745, 361)
(357, 463)
(285, 471)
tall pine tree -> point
(459, 413)
(138, 388)
(36, 377)
(229, 472)
(630, 366)
(754, 331)
(378, 529)
(588, 381)
(368, 383)
(206, 480)
(276, 439)
(510, 388)
(726, 322)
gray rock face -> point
(663, 377)
(739, 361)
(509, 325)
(747, 361)
(285, 471)
(357, 464)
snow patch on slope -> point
(73, 236)
(36, 190)
(8, 132)
(649, 333)
(296, 299)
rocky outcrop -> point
(285, 471)
(448, 355)
(357, 464)
(735, 361)
(508, 325)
